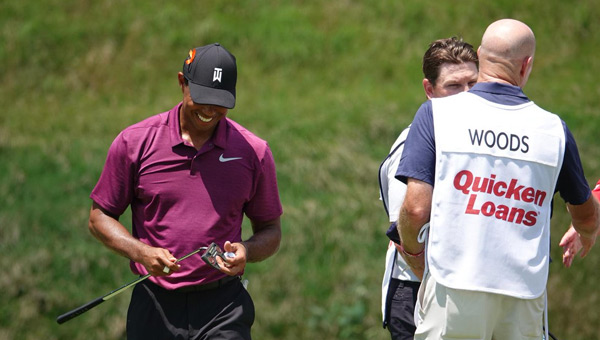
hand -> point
(571, 243)
(235, 265)
(416, 263)
(587, 243)
(155, 260)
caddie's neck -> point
(513, 72)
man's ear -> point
(428, 87)
(526, 66)
(525, 71)
(181, 80)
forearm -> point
(264, 242)
(585, 217)
(114, 235)
(408, 228)
(410, 249)
(414, 213)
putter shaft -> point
(84, 308)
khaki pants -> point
(446, 313)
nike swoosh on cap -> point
(223, 159)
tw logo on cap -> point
(217, 74)
(212, 74)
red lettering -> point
(540, 196)
(514, 190)
(530, 218)
(479, 184)
(468, 184)
(502, 212)
(468, 176)
(516, 215)
(488, 209)
(491, 185)
(498, 189)
(527, 195)
(470, 205)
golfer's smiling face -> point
(199, 118)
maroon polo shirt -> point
(181, 198)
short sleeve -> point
(572, 184)
(114, 189)
(418, 157)
(265, 204)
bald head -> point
(506, 52)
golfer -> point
(190, 174)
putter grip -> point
(79, 310)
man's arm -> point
(115, 236)
(265, 240)
(263, 243)
(414, 213)
(586, 221)
(571, 244)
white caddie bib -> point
(496, 172)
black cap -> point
(211, 72)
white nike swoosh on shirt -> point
(223, 159)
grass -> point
(328, 84)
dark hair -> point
(450, 50)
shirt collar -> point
(174, 126)
(501, 93)
(219, 137)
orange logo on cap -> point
(191, 56)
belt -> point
(406, 283)
(208, 286)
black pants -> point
(401, 306)
(223, 313)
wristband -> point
(410, 254)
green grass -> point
(328, 84)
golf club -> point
(210, 255)
(84, 308)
